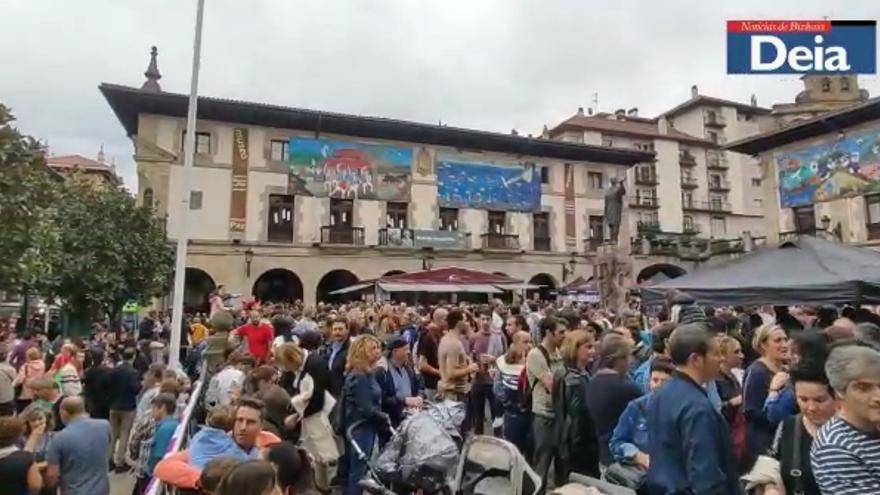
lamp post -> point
(248, 259)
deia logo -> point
(801, 47)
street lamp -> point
(568, 268)
(248, 258)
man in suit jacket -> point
(335, 354)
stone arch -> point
(658, 272)
(334, 280)
(278, 285)
(197, 286)
(548, 286)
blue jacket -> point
(631, 433)
(362, 401)
(641, 376)
(391, 404)
(689, 443)
(161, 439)
(782, 406)
(210, 443)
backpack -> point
(526, 388)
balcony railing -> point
(686, 159)
(543, 244)
(646, 179)
(688, 182)
(500, 241)
(691, 229)
(719, 185)
(713, 119)
(592, 245)
(710, 206)
(644, 227)
(643, 202)
(342, 235)
(716, 160)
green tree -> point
(111, 251)
(28, 194)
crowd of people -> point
(692, 400)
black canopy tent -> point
(808, 270)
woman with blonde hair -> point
(362, 404)
(305, 377)
(771, 343)
(575, 432)
(31, 370)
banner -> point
(437, 239)
(843, 166)
(238, 203)
(488, 186)
(348, 170)
(570, 218)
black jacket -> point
(315, 367)
(95, 385)
(391, 405)
(576, 437)
(124, 386)
(337, 368)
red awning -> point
(450, 276)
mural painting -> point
(848, 166)
(349, 170)
(488, 186)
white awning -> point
(519, 286)
(352, 288)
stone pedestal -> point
(612, 267)
(215, 349)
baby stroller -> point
(420, 457)
(492, 466)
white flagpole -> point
(189, 156)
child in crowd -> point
(213, 440)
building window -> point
(714, 181)
(756, 182)
(716, 203)
(148, 198)
(687, 199)
(718, 226)
(607, 141)
(595, 180)
(541, 229)
(688, 222)
(449, 219)
(805, 219)
(758, 203)
(195, 200)
(826, 85)
(713, 136)
(497, 222)
(597, 227)
(341, 212)
(280, 218)
(844, 84)
(545, 175)
(280, 150)
(203, 142)
(396, 215)
(872, 205)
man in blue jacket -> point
(688, 440)
(401, 386)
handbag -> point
(625, 474)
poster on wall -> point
(349, 170)
(488, 186)
(238, 198)
(847, 166)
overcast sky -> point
(486, 64)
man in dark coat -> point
(401, 386)
(335, 353)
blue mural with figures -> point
(488, 186)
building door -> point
(805, 219)
(280, 218)
(341, 213)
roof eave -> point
(127, 103)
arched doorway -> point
(660, 272)
(335, 280)
(278, 285)
(393, 272)
(547, 290)
(197, 286)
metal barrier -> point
(185, 430)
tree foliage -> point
(28, 194)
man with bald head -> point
(426, 351)
(77, 456)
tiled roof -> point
(717, 102)
(638, 127)
(76, 161)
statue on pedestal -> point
(614, 268)
(614, 208)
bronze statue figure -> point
(614, 208)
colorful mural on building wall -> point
(488, 186)
(847, 166)
(349, 170)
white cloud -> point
(489, 64)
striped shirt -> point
(845, 460)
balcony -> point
(643, 202)
(646, 178)
(395, 237)
(592, 245)
(688, 182)
(719, 185)
(342, 235)
(692, 229)
(500, 241)
(707, 206)
(648, 227)
(713, 119)
(543, 244)
(686, 159)
(716, 160)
